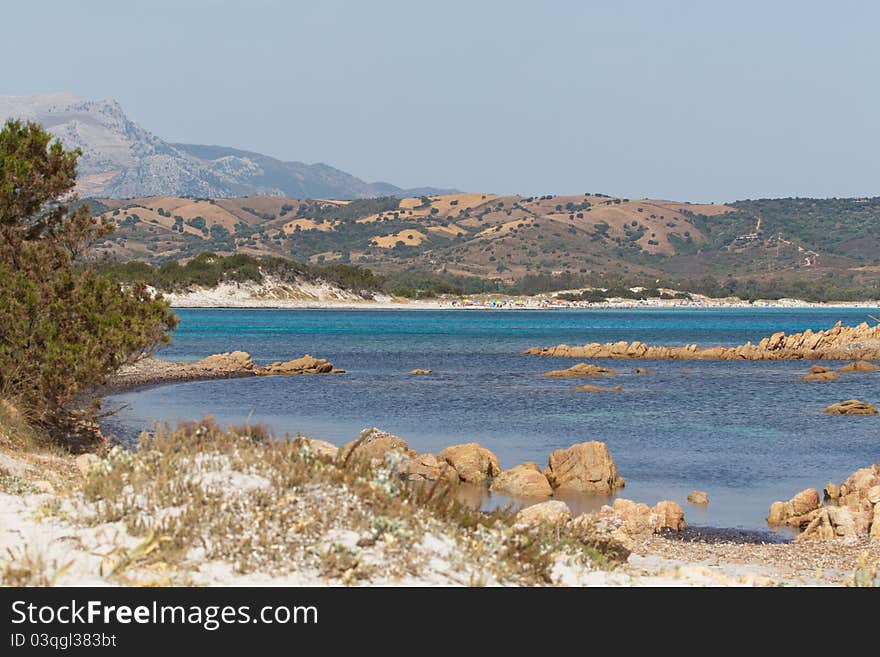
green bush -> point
(63, 328)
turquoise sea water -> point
(747, 433)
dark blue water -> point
(746, 432)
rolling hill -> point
(509, 237)
(122, 160)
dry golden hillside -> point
(485, 235)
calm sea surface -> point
(747, 433)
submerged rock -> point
(584, 468)
(592, 388)
(827, 375)
(581, 371)
(860, 366)
(698, 497)
(418, 372)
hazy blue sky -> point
(685, 100)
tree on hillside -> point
(63, 327)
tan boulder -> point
(698, 497)
(818, 529)
(552, 512)
(473, 463)
(584, 468)
(419, 372)
(818, 369)
(860, 366)
(426, 467)
(233, 361)
(525, 480)
(851, 407)
(581, 371)
(667, 516)
(635, 516)
(875, 525)
(799, 511)
(847, 522)
(305, 365)
(830, 492)
(372, 446)
(602, 533)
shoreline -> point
(275, 304)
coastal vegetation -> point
(64, 326)
(209, 270)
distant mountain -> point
(122, 160)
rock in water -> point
(860, 366)
(525, 480)
(851, 407)
(592, 388)
(584, 468)
(473, 463)
(698, 497)
(418, 372)
(305, 365)
(581, 371)
(827, 375)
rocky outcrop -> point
(305, 365)
(860, 366)
(851, 407)
(371, 447)
(581, 371)
(553, 512)
(525, 480)
(799, 511)
(625, 520)
(473, 463)
(418, 372)
(851, 509)
(233, 364)
(698, 497)
(583, 468)
(860, 342)
(592, 388)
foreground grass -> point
(206, 505)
